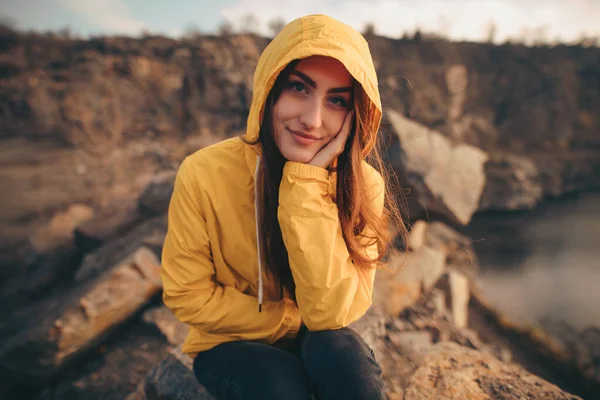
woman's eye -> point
(339, 102)
(297, 87)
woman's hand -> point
(334, 148)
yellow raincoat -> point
(210, 266)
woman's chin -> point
(298, 155)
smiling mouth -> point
(303, 135)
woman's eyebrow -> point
(312, 83)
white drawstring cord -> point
(258, 241)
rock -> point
(582, 347)
(531, 346)
(43, 338)
(149, 234)
(59, 231)
(447, 179)
(438, 298)
(461, 255)
(50, 255)
(417, 237)
(90, 234)
(456, 286)
(513, 182)
(450, 371)
(155, 198)
(416, 272)
(174, 330)
(418, 340)
(172, 379)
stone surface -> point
(456, 286)
(446, 178)
(61, 328)
(410, 275)
(417, 236)
(172, 379)
(91, 234)
(459, 248)
(174, 330)
(418, 340)
(59, 230)
(155, 198)
(50, 255)
(450, 371)
(513, 182)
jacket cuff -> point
(305, 170)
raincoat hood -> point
(310, 36)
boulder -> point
(44, 337)
(411, 275)
(112, 223)
(450, 371)
(174, 330)
(154, 199)
(513, 183)
(456, 287)
(172, 379)
(445, 178)
(459, 249)
(418, 235)
(50, 255)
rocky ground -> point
(431, 330)
(94, 131)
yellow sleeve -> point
(330, 291)
(189, 286)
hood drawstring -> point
(258, 239)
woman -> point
(272, 324)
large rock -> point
(450, 371)
(172, 379)
(445, 178)
(581, 346)
(174, 330)
(155, 198)
(44, 337)
(109, 224)
(411, 274)
(513, 182)
(50, 256)
(459, 248)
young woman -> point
(274, 238)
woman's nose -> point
(311, 115)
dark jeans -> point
(327, 364)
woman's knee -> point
(339, 362)
(337, 346)
(252, 371)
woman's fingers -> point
(336, 146)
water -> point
(542, 264)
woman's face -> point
(311, 108)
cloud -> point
(112, 16)
(458, 19)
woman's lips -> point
(302, 138)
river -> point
(544, 263)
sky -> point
(563, 20)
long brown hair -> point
(361, 223)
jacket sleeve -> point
(190, 289)
(331, 291)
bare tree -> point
(490, 31)
(192, 31)
(276, 25)
(249, 24)
(226, 28)
(369, 29)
